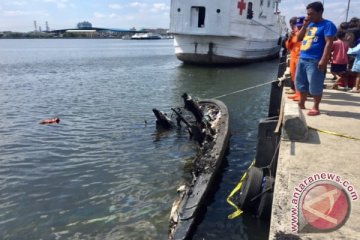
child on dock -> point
(353, 39)
(356, 67)
(340, 60)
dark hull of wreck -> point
(192, 202)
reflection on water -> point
(102, 173)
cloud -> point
(19, 3)
(56, 1)
(99, 15)
(106, 16)
(17, 13)
(59, 3)
(159, 7)
(334, 10)
(299, 7)
(138, 4)
(113, 15)
(130, 17)
(115, 6)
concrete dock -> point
(317, 186)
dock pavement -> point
(317, 185)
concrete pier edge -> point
(305, 154)
(294, 127)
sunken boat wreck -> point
(209, 126)
(254, 192)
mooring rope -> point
(249, 88)
(280, 80)
(267, 27)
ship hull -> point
(224, 50)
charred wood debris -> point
(200, 121)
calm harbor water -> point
(102, 173)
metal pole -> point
(347, 11)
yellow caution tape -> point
(334, 133)
(238, 211)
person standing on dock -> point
(317, 36)
(353, 37)
(293, 45)
(340, 60)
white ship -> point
(145, 36)
(226, 31)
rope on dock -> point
(249, 88)
(334, 133)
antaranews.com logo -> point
(321, 203)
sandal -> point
(290, 91)
(354, 90)
(292, 96)
(313, 112)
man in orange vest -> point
(293, 45)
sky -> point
(19, 15)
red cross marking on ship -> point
(241, 5)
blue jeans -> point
(309, 78)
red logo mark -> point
(241, 5)
(326, 207)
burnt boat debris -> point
(209, 127)
(193, 107)
(162, 120)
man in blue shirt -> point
(317, 36)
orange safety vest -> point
(293, 45)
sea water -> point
(105, 172)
